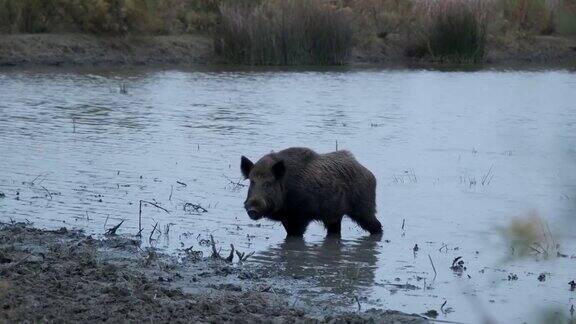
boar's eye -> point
(267, 184)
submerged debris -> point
(446, 310)
(112, 230)
(192, 255)
(572, 286)
(431, 313)
(512, 277)
(406, 286)
(216, 253)
(458, 265)
(542, 277)
(194, 208)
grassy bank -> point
(320, 32)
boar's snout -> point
(255, 208)
(252, 213)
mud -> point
(66, 276)
(89, 50)
(194, 50)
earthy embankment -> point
(65, 276)
(89, 50)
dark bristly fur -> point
(297, 185)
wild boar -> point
(297, 186)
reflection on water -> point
(338, 266)
(456, 155)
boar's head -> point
(265, 194)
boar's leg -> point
(333, 226)
(295, 227)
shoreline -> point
(65, 275)
(83, 50)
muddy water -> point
(457, 156)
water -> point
(457, 156)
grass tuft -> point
(456, 30)
(285, 32)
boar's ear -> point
(246, 166)
(279, 169)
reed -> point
(288, 32)
(455, 30)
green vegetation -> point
(289, 32)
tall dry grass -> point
(111, 17)
(565, 17)
(527, 16)
(285, 32)
(377, 19)
(454, 30)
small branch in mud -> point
(167, 228)
(182, 183)
(140, 214)
(442, 307)
(112, 230)
(230, 257)
(235, 184)
(216, 253)
(171, 191)
(433, 267)
(152, 233)
(194, 208)
(45, 175)
(242, 257)
(47, 191)
(487, 178)
(358, 301)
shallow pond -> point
(457, 155)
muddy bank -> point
(546, 50)
(89, 50)
(66, 276)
